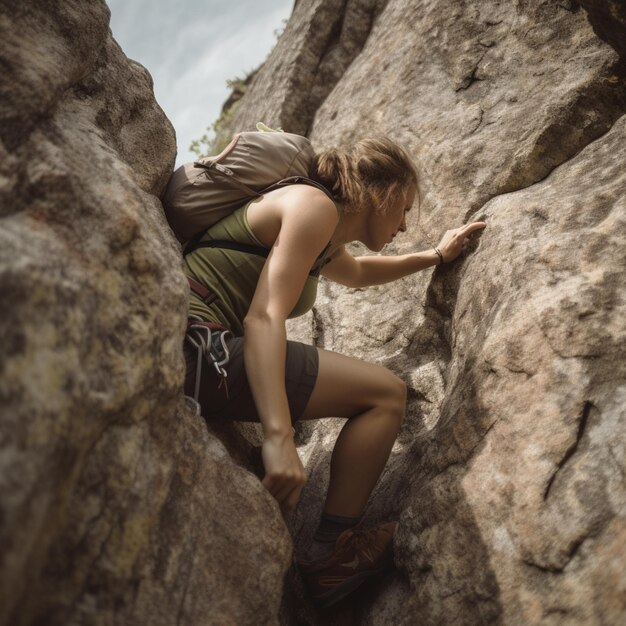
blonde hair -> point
(374, 173)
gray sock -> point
(327, 533)
(331, 526)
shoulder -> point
(299, 210)
(307, 216)
(310, 192)
(316, 202)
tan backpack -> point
(201, 193)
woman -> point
(278, 382)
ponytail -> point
(374, 173)
(333, 168)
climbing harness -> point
(209, 340)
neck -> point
(351, 227)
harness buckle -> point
(210, 344)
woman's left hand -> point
(451, 243)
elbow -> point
(353, 280)
(252, 321)
(356, 283)
(261, 320)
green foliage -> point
(237, 84)
(279, 31)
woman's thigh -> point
(346, 387)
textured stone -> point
(116, 504)
(524, 470)
(508, 475)
(608, 18)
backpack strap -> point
(298, 180)
(195, 242)
(291, 180)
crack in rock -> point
(582, 425)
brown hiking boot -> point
(358, 554)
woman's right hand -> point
(284, 472)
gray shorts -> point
(236, 402)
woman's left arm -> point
(365, 271)
(377, 270)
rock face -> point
(119, 507)
(116, 504)
(509, 474)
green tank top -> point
(233, 275)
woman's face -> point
(383, 228)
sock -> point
(327, 533)
(331, 526)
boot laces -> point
(364, 541)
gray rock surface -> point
(508, 475)
(116, 504)
(516, 503)
(608, 18)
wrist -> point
(279, 434)
(438, 256)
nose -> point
(403, 224)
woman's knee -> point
(393, 401)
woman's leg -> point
(372, 397)
(374, 400)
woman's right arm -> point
(303, 235)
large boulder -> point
(508, 475)
(116, 504)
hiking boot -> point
(358, 555)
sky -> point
(191, 47)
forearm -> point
(377, 270)
(265, 348)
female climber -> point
(276, 381)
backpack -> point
(201, 193)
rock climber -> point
(278, 382)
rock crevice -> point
(582, 423)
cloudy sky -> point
(191, 47)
